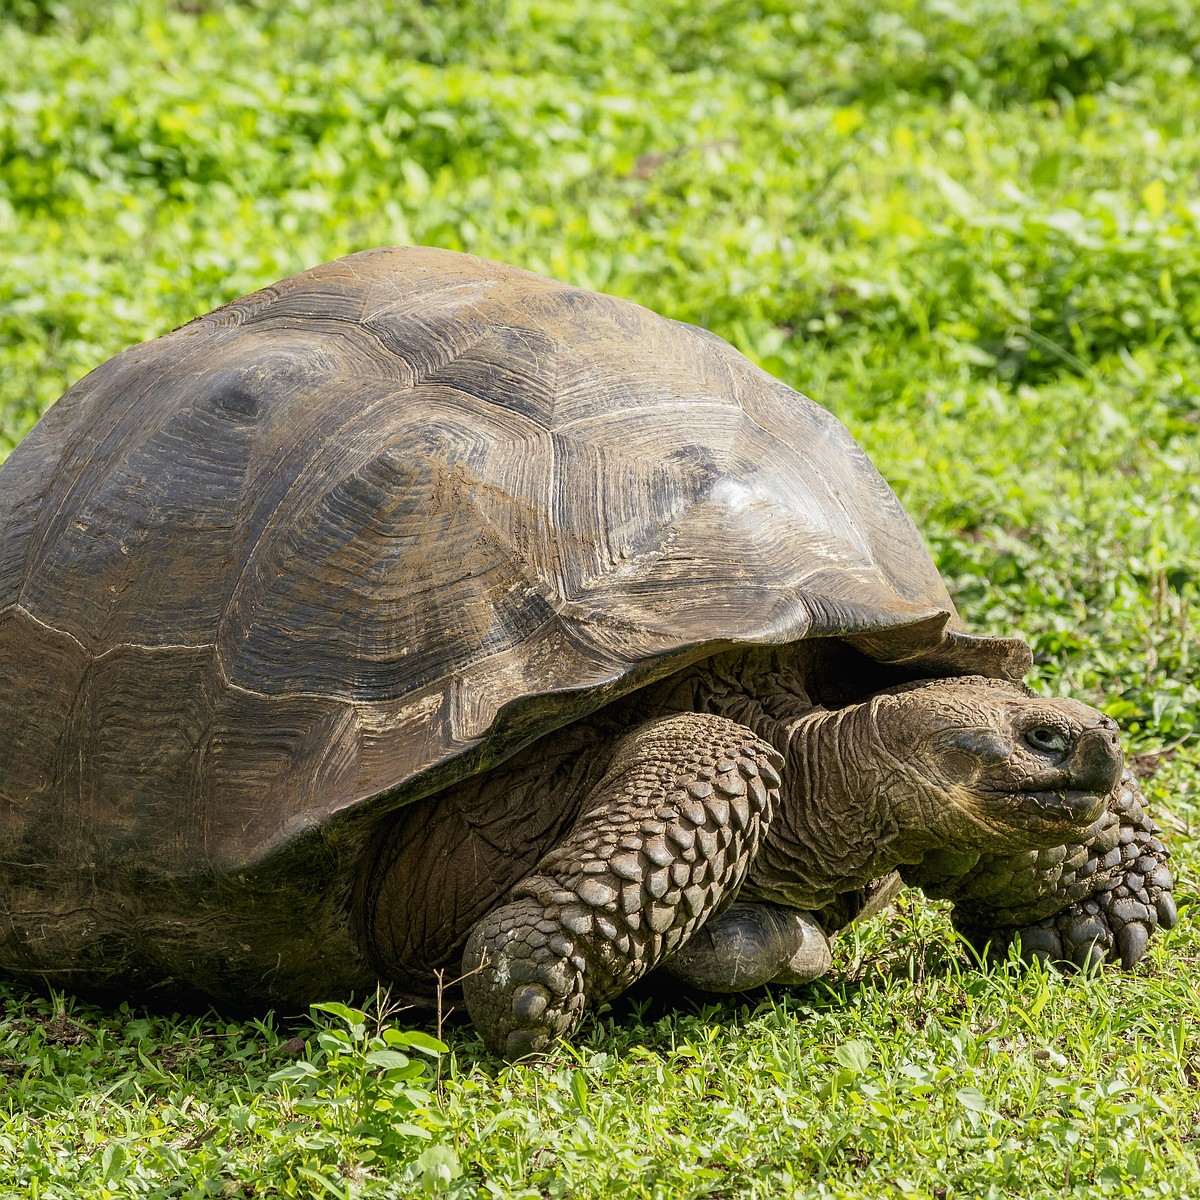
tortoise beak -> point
(1095, 761)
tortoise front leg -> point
(1089, 903)
(664, 842)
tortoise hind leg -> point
(664, 842)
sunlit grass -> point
(972, 231)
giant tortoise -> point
(420, 617)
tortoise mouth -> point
(1047, 814)
(1059, 808)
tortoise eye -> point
(1045, 737)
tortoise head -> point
(989, 758)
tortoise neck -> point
(842, 821)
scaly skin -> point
(664, 842)
(935, 779)
(1084, 904)
(752, 944)
(1011, 804)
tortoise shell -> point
(373, 528)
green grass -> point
(972, 230)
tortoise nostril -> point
(1096, 760)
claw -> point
(1132, 940)
(1168, 914)
(1039, 941)
(529, 1002)
(1083, 931)
(524, 1043)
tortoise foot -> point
(1132, 897)
(752, 944)
(666, 835)
(524, 980)
(1115, 923)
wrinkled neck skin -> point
(850, 813)
(852, 810)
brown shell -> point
(375, 527)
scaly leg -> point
(1098, 902)
(664, 843)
